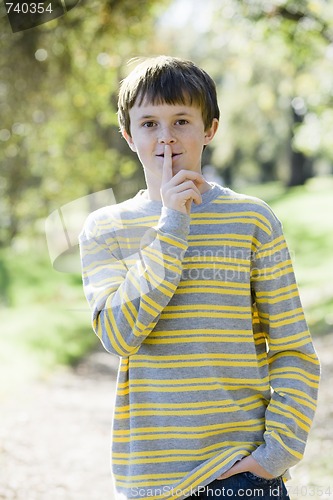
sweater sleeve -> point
(293, 364)
(127, 295)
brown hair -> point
(169, 80)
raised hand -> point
(179, 191)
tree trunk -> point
(301, 166)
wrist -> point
(247, 464)
(174, 222)
(258, 470)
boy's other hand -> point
(178, 192)
(247, 464)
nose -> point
(166, 136)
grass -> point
(45, 321)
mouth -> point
(172, 156)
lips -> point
(172, 156)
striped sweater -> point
(216, 358)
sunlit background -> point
(59, 141)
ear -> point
(211, 131)
(128, 139)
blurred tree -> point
(307, 30)
(59, 136)
(59, 139)
(272, 61)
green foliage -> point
(306, 216)
(45, 320)
(59, 127)
(59, 133)
(272, 62)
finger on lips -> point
(167, 164)
(182, 175)
(181, 189)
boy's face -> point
(180, 126)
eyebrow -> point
(147, 117)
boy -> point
(191, 284)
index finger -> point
(167, 165)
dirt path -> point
(55, 436)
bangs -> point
(159, 92)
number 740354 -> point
(31, 8)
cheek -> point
(143, 153)
(195, 136)
(142, 150)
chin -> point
(177, 168)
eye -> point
(149, 124)
(182, 121)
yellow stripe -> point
(162, 386)
(277, 268)
(240, 199)
(217, 283)
(198, 217)
(169, 458)
(216, 265)
(246, 245)
(188, 405)
(285, 314)
(240, 334)
(180, 451)
(215, 290)
(172, 241)
(235, 220)
(206, 307)
(290, 450)
(212, 314)
(198, 338)
(189, 381)
(173, 475)
(294, 369)
(290, 345)
(311, 358)
(191, 431)
(290, 338)
(174, 364)
(278, 299)
(297, 377)
(210, 411)
(278, 291)
(191, 357)
(285, 409)
(148, 220)
(303, 399)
